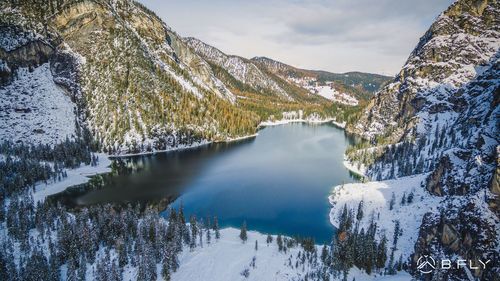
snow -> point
(76, 176)
(360, 275)
(376, 197)
(225, 259)
(33, 109)
(341, 125)
(241, 138)
(326, 90)
(242, 69)
(295, 117)
(359, 170)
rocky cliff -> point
(137, 85)
(440, 116)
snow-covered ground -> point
(295, 117)
(76, 176)
(327, 91)
(224, 260)
(361, 170)
(288, 121)
(227, 258)
(33, 109)
(339, 124)
(376, 197)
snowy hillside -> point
(34, 109)
(242, 69)
(348, 88)
(376, 198)
(326, 90)
(438, 120)
(131, 80)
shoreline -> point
(236, 139)
(349, 166)
(289, 121)
(75, 177)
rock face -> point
(240, 68)
(137, 85)
(440, 115)
(456, 49)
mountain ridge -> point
(439, 118)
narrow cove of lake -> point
(278, 182)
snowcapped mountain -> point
(132, 81)
(240, 68)
(347, 88)
(439, 118)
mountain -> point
(243, 70)
(267, 76)
(125, 80)
(134, 83)
(356, 84)
(439, 119)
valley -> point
(130, 152)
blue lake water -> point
(278, 182)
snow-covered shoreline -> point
(340, 125)
(76, 176)
(238, 138)
(288, 121)
(176, 148)
(361, 171)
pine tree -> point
(216, 228)
(324, 254)
(243, 232)
(256, 245)
(359, 214)
(403, 199)
(382, 252)
(409, 200)
(279, 240)
(392, 202)
(209, 236)
(269, 239)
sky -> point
(374, 36)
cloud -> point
(335, 35)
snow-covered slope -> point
(136, 85)
(347, 88)
(242, 69)
(34, 109)
(376, 197)
(439, 117)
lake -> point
(278, 182)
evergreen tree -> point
(324, 254)
(409, 200)
(382, 252)
(256, 245)
(279, 240)
(392, 202)
(269, 239)
(216, 228)
(243, 232)
(209, 236)
(359, 214)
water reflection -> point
(147, 178)
(278, 182)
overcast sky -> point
(335, 35)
